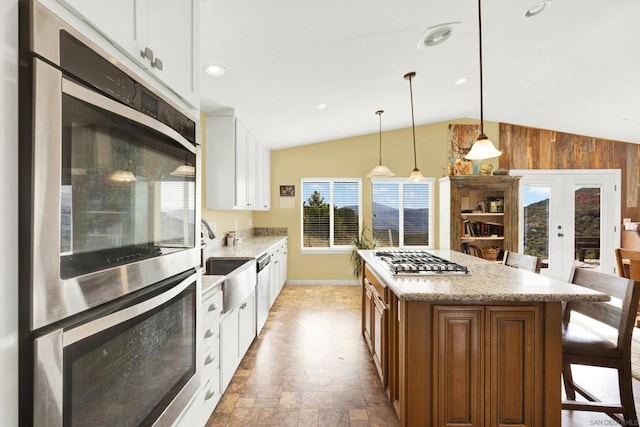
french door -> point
(570, 217)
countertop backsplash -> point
(246, 234)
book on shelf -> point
(482, 229)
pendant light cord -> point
(480, 50)
(413, 124)
(379, 113)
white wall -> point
(9, 213)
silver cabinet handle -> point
(209, 359)
(210, 393)
(213, 306)
(147, 53)
(157, 64)
(209, 333)
(242, 307)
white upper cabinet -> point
(263, 179)
(235, 166)
(161, 37)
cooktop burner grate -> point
(409, 262)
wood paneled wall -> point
(531, 148)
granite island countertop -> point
(250, 248)
(486, 281)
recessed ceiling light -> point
(321, 107)
(215, 70)
(537, 9)
(461, 81)
(436, 34)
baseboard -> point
(322, 282)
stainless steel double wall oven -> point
(109, 255)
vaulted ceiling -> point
(574, 67)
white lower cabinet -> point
(204, 403)
(278, 272)
(237, 332)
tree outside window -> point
(331, 212)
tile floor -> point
(311, 367)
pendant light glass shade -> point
(380, 170)
(416, 175)
(483, 148)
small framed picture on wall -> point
(287, 190)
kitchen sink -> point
(239, 281)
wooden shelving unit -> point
(470, 223)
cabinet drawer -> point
(208, 398)
(210, 333)
(376, 284)
(211, 309)
(210, 360)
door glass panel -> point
(587, 227)
(128, 192)
(128, 374)
(536, 222)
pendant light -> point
(416, 175)
(483, 148)
(380, 170)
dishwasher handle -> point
(262, 262)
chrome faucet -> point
(209, 230)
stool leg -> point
(567, 377)
(626, 395)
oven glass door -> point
(127, 191)
(128, 374)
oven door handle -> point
(91, 328)
(94, 98)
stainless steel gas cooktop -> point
(414, 262)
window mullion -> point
(400, 214)
(331, 208)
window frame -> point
(332, 248)
(430, 181)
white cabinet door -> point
(229, 359)
(241, 135)
(171, 28)
(247, 324)
(263, 179)
(251, 170)
(283, 264)
(163, 40)
(115, 19)
(274, 273)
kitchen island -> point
(476, 349)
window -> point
(402, 212)
(331, 212)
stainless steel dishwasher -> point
(262, 291)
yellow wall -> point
(350, 158)
(223, 221)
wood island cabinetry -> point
(477, 349)
(375, 320)
(479, 214)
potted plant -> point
(364, 241)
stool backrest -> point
(620, 314)
(525, 262)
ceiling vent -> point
(436, 34)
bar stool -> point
(525, 262)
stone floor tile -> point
(317, 399)
(333, 417)
(358, 415)
(227, 402)
(245, 402)
(290, 399)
